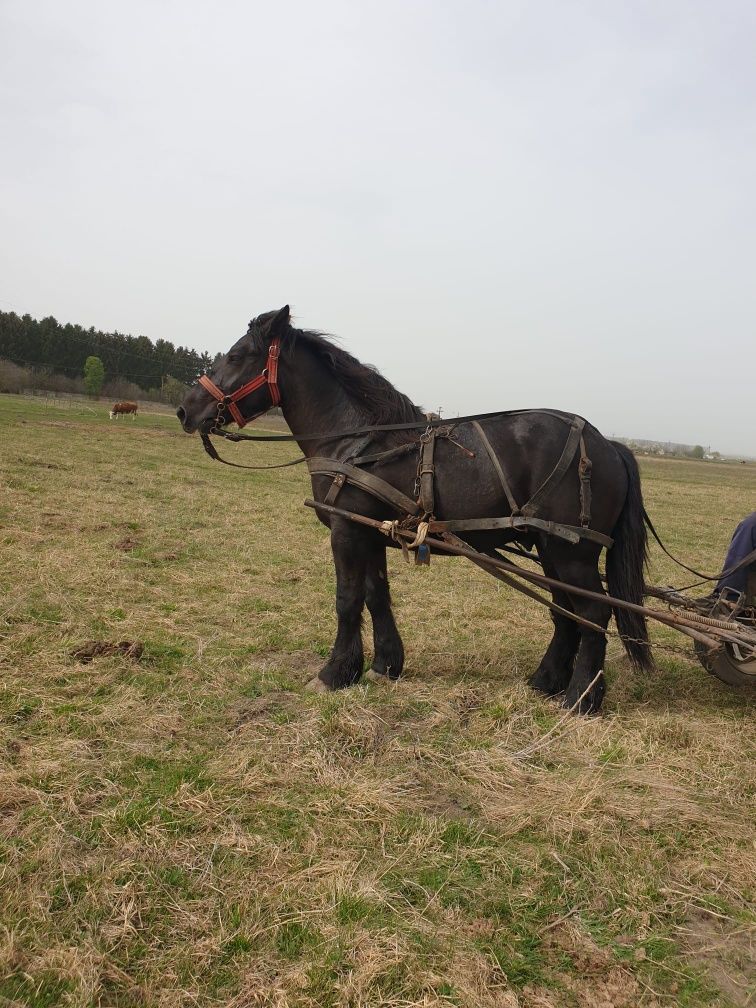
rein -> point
(269, 376)
(212, 451)
(748, 559)
(415, 425)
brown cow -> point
(123, 407)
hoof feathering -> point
(317, 685)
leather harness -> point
(422, 508)
(522, 517)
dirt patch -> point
(295, 576)
(260, 708)
(302, 665)
(434, 799)
(446, 806)
(724, 950)
(94, 649)
(127, 544)
(600, 982)
(41, 464)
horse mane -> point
(373, 394)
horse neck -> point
(313, 400)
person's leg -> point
(742, 543)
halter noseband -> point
(269, 376)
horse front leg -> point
(388, 650)
(344, 666)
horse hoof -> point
(588, 705)
(374, 676)
(548, 684)
(317, 685)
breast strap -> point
(364, 481)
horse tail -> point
(625, 563)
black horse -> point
(324, 389)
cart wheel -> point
(727, 665)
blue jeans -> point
(741, 544)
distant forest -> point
(47, 345)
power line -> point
(96, 341)
(105, 350)
(126, 336)
(95, 345)
(77, 371)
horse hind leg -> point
(587, 685)
(555, 670)
(388, 650)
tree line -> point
(46, 345)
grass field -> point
(191, 827)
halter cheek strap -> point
(268, 377)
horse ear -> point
(279, 322)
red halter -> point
(269, 376)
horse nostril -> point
(181, 413)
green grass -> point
(196, 828)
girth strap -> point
(364, 481)
(497, 466)
(336, 487)
(540, 497)
(524, 517)
(585, 467)
(542, 494)
(426, 471)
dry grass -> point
(190, 827)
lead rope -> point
(211, 450)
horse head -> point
(252, 361)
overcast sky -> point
(501, 205)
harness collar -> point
(269, 376)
